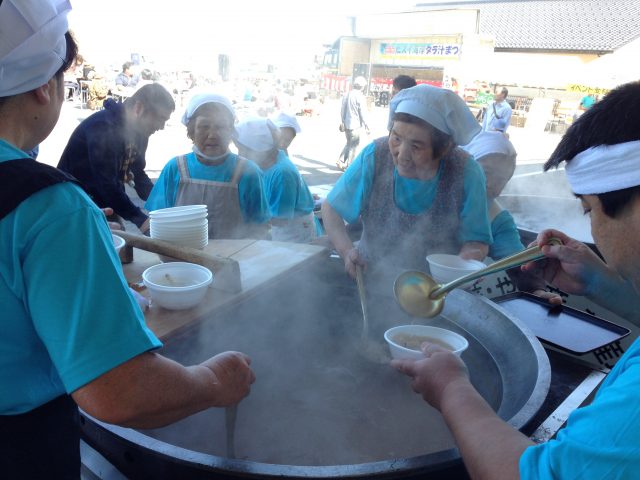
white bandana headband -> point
(202, 99)
(32, 43)
(439, 107)
(258, 134)
(605, 168)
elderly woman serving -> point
(230, 186)
(415, 191)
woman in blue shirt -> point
(415, 191)
(290, 201)
(230, 186)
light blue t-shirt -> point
(68, 315)
(253, 201)
(506, 238)
(601, 440)
(287, 192)
(350, 195)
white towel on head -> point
(32, 43)
(440, 108)
(605, 168)
(284, 120)
(258, 134)
(486, 143)
(203, 98)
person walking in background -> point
(497, 116)
(352, 118)
(72, 333)
(107, 150)
(401, 82)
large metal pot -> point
(318, 409)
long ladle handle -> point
(363, 302)
(230, 415)
(527, 255)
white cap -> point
(258, 134)
(202, 99)
(487, 143)
(440, 108)
(32, 43)
(283, 120)
(360, 81)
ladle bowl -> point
(421, 296)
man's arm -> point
(574, 268)
(507, 118)
(151, 391)
(104, 157)
(143, 184)
(490, 448)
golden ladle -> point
(420, 296)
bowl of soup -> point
(177, 285)
(405, 341)
(446, 268)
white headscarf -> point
(32, 43)
(203, 98)
(258, 134)
(605, 168)
(486, 143)
(439, 107)
(283, 120)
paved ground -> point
(314, 151)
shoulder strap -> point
(21, 178)
(182, 167)
(238, 170)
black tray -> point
(563, 327)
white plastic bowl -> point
(405, 336)
(177, 285)
(118, 242)
(446, 268)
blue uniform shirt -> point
(601, 440)
(506, 238)
(253, 201)
(286, 190)
(349, 197)
(68, 315)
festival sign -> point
(418, 51)
(586, 89)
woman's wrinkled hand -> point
(351, 259)
(434, 374)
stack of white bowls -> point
(186, 225)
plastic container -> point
(446, 268)
(177, 285)
(404, 341)
(118, 242)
